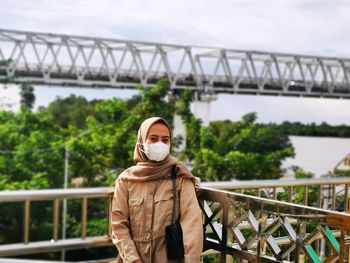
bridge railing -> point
(256, 229)
(328, 192)
(56, 197)
(242, 221)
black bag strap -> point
(173, 176)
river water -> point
(317, 154)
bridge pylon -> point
(201, 109)
(202, 104)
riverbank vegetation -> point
(312, 129)
(99, 137)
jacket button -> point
(149, 234)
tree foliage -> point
(27, 95)
(225, 150)
(100, 138)
(312, 129)
(29, 155)
(3, 65)
(72, 110)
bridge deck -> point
(63, 60)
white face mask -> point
(156, 151)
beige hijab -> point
(146, 170)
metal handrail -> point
(57, 195)
(50, 194)
(328, 189)
(253, 184)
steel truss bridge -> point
(65, 60)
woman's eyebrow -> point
(153, 135)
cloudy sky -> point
(315, 27)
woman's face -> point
(158, 132)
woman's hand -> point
(137, 261)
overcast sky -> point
(293, 26)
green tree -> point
(242, 150)
(72, 110)
(31, 151)
(27, 95)
(3, 65)
(342, 173)
(312, 129)
(100, 136)
(30, 158)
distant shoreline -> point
(317, 154)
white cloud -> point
(293, 26)
(317, 27)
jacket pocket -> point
(163, 212)
(163, 196)
(135, 201)
(136, 211)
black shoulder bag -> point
(173, 233)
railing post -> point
(346, 198)
(109, 216)
(229, 237)
(26, 221)
(224, 233)
(274, 194)
(334, 196)
(343, 250)
(56, 207)
(306, 195)
(299, 254)
(347, 210)
(319, 205)
(84, 217)
(261, 249)
(319, 196)
(290, 194)
(347, 247)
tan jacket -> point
(142, 210)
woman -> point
(143, 205)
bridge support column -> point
(179, 129)
(202, 107)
